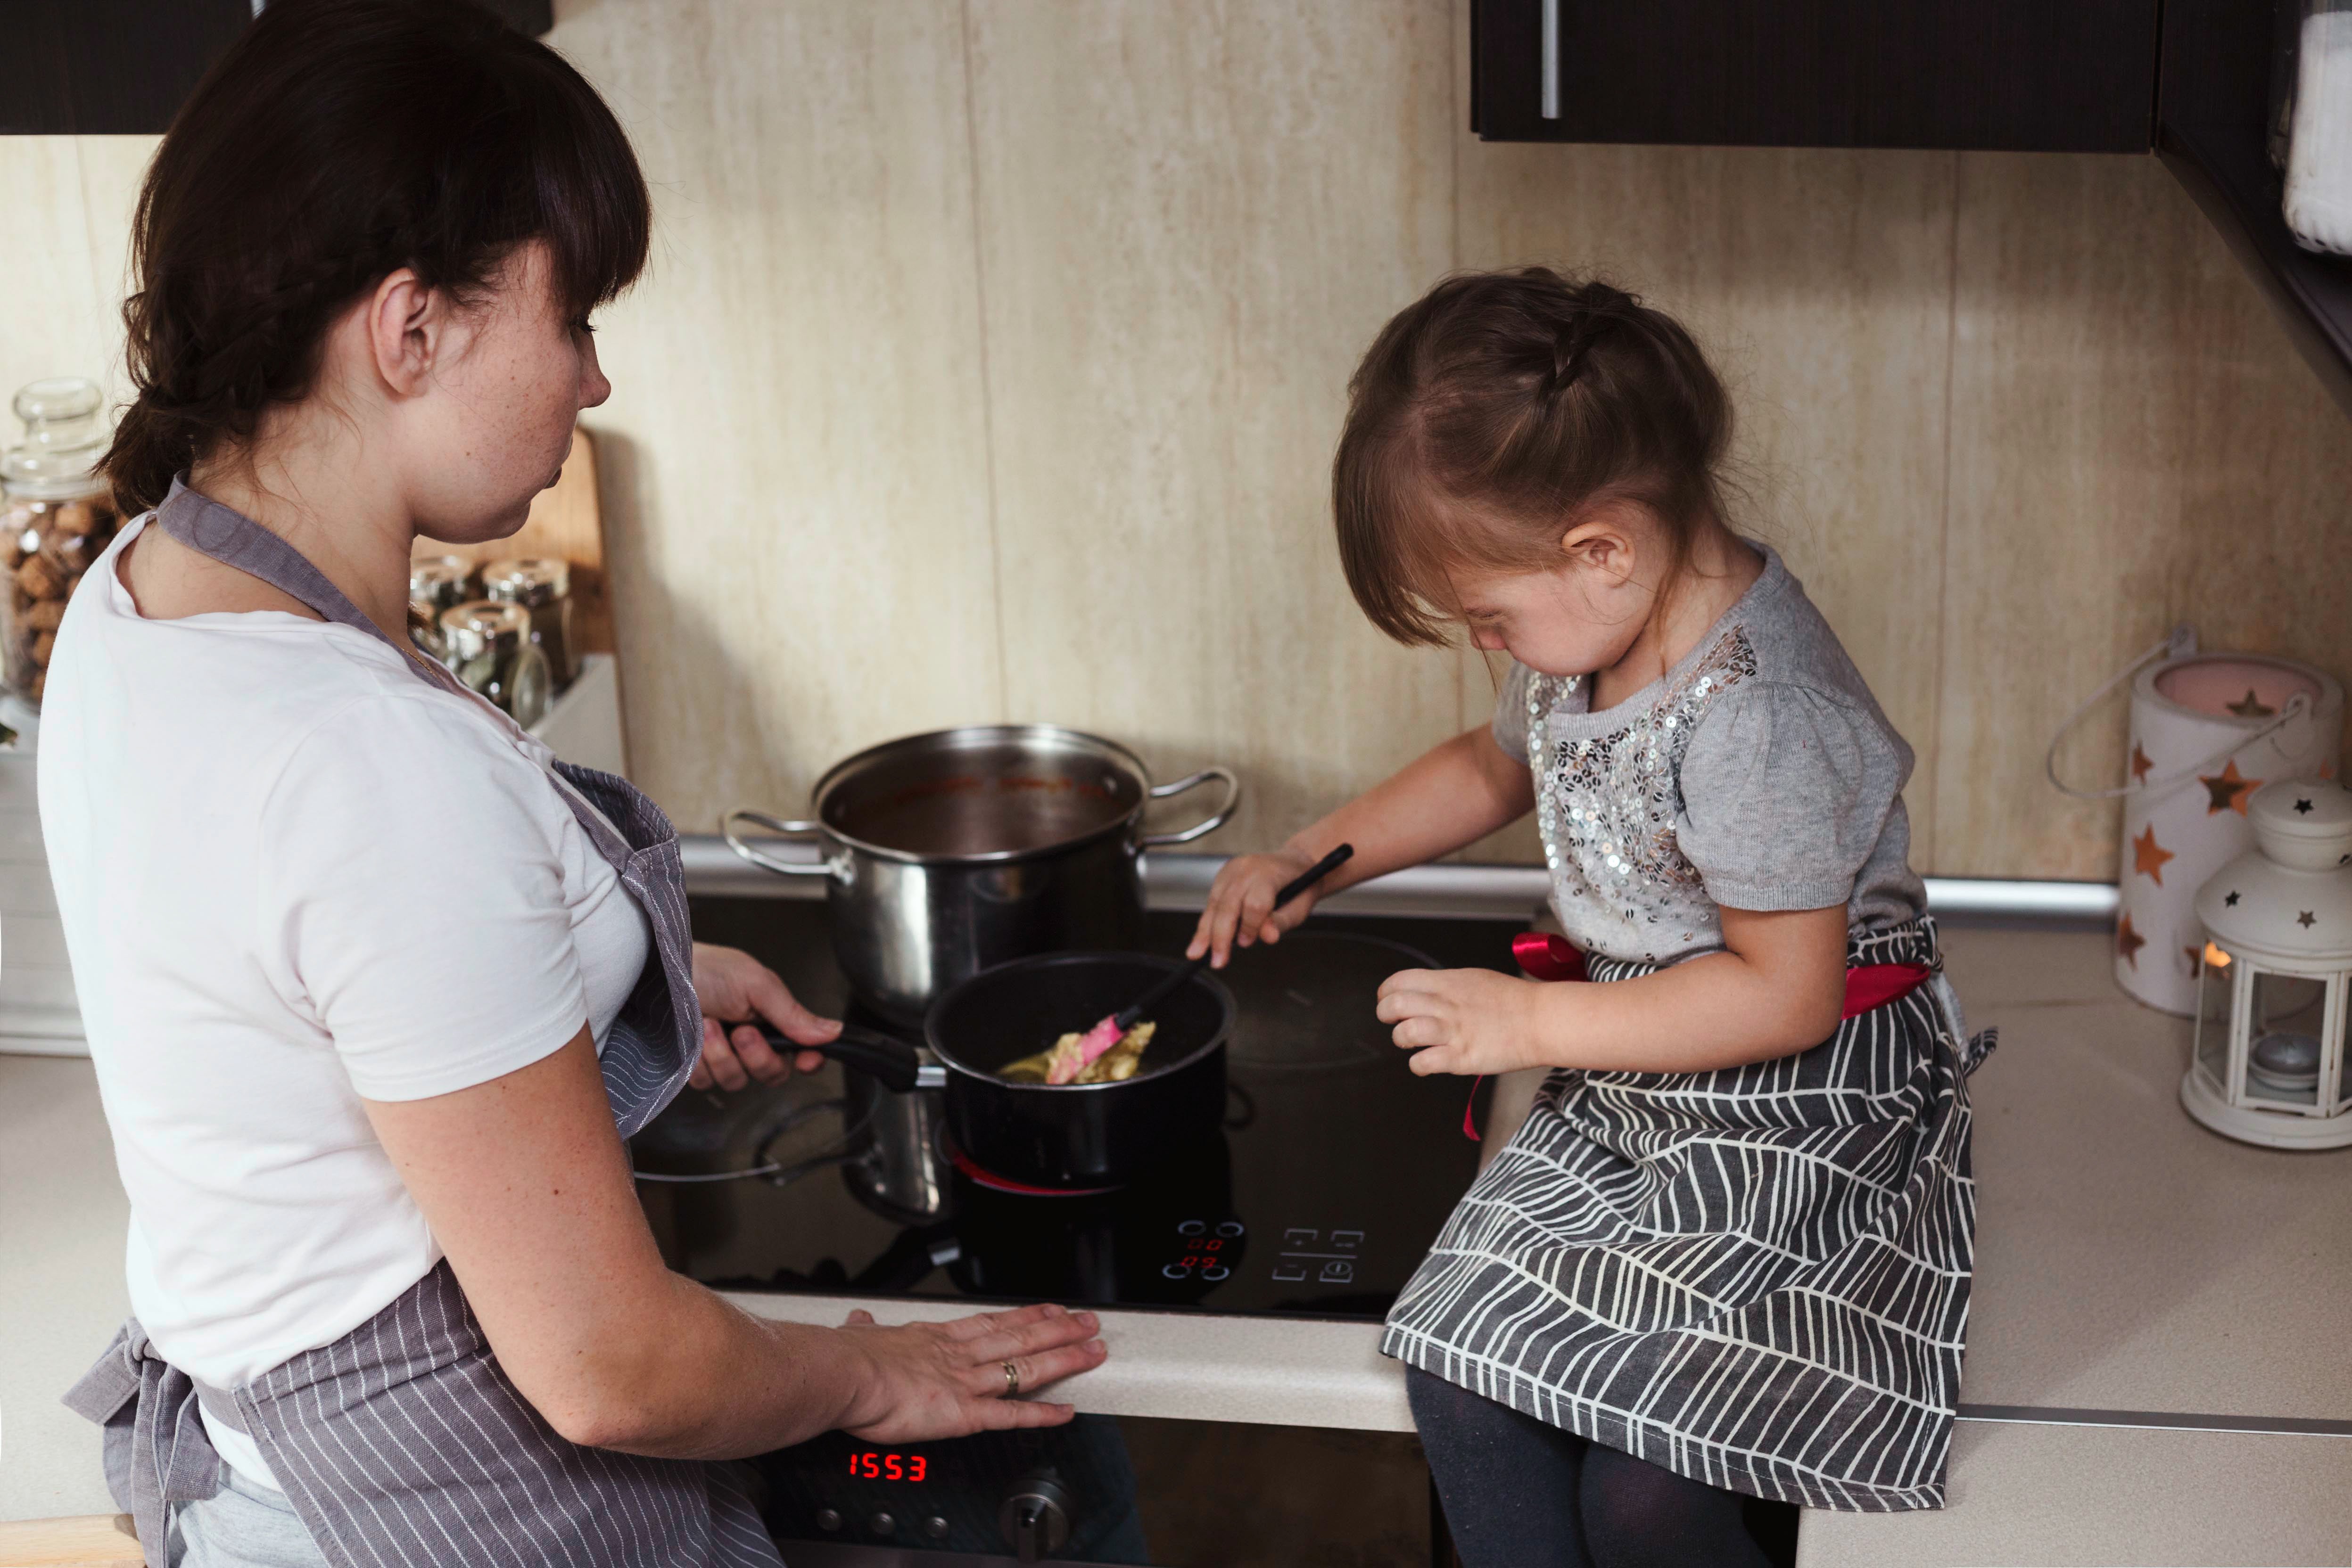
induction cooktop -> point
(1332, 1172)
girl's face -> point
(1581, 616)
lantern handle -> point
(2179, 643)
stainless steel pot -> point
(948, 853)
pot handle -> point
(788, 829)
(1207, 825)
(893, 1063)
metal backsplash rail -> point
(1463, 891)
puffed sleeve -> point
(412, 900)
(1785, 791)
(1511, 712)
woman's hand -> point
(1240, 903)
(735, 988)
(947, 1380)
(1467, 1021)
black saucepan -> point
(1061, 1136)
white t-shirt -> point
(293, 874)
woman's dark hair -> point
(1491, 412)
(336, 141)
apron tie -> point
(157, 1452)
(1544, 957)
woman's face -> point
(508, 379)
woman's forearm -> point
(526, 1187)
(698, 1378)
(1453, 795)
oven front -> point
(1107, 1489)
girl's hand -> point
(1464, 1020)
(1240, 903)
(930, 1381)
(734, 988)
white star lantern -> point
(2269, 1063)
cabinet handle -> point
(1551, 59)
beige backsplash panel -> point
(2134, 443)
(993, 353)
(1238, 198)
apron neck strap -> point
(236, 540)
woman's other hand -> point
(735, 990)
(1463, 1020)
(1240, 903)
(938, 1380)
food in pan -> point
(1065, 1061)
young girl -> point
(1728, 1252)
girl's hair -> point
(1487, 414)
(336, 141)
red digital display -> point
(875, 1467)
(1199, 1252)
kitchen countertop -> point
(2127, 1261)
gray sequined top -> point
(1757, 773)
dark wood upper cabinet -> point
(2021, 75)
(109, 67)
(118, 68)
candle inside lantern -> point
(2236, 689)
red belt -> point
(1544, 957)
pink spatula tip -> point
(1091, 1045)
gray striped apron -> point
(404, 1443)
(1757, 1277)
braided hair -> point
(1516, 399)
(335, 142)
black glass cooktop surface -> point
(1331, 1175)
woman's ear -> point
(403, 324)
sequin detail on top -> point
(1607, 805)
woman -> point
(375, 990)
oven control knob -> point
(936, 1527)
(1035, 1518)
(827, 1519)
(882, 1524)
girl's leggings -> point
(1519, 1494)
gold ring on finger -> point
(1012, 1380)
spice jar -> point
(491, 650)
(436, 583)
(56, 519)
(542, 587)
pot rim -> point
(1228, 1009)
(981, 734)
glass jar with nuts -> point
(56, 519)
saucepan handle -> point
(1207, 825)
(743, 848)
(892, 1063)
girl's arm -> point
(526, 1185)
(1778, 989)
(1454, 795)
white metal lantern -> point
(2269, 1063)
